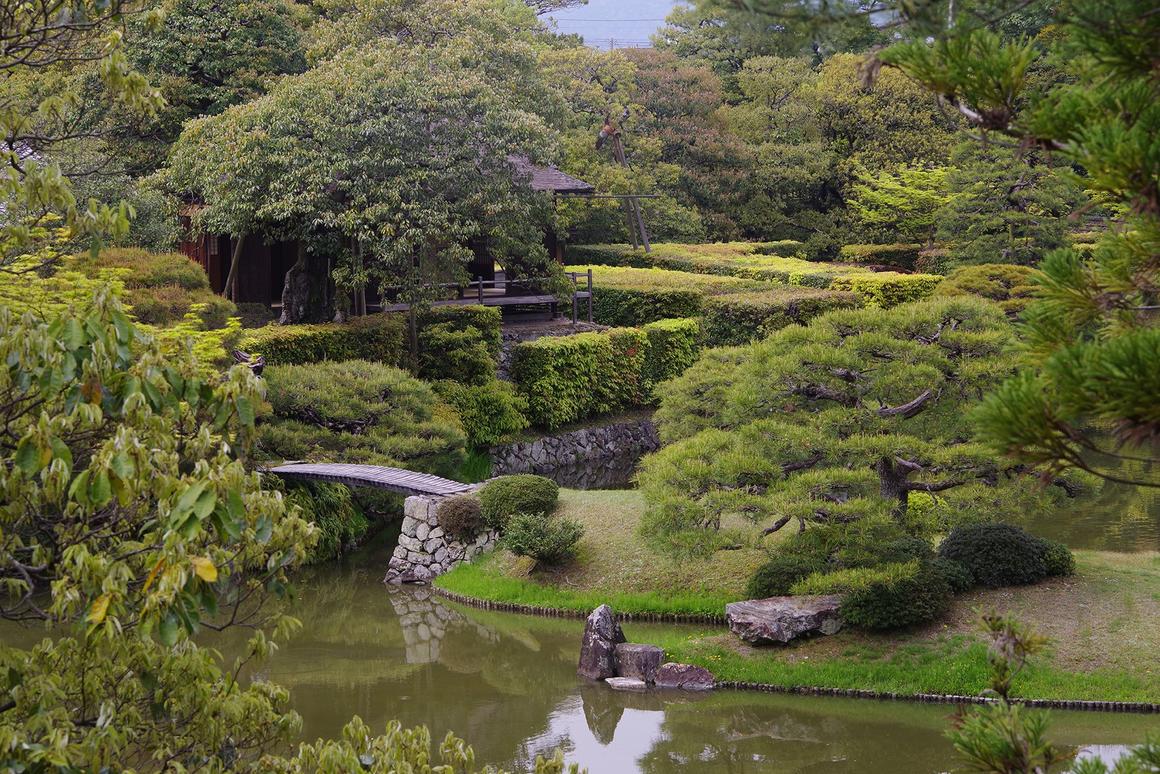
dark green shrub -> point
(490, 412)
(673, 346)
(524, 493)
(739, 318)
(637, 306)
(997, 554)
(786, 248)
(168, 304)
(341, 522)
(549, 541)
(957, 576)
(607, 255)
(899, 254)
(1058, 558)
(487, 320)
(378, 338)
(776, 577)
(461, 516)
(359, 412)
(907, 599)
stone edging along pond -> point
(799, 690)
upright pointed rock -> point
(598, 650)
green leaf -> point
(205, 504)
(245, 410)
(28, 455)
(168, 630)
(100, 490)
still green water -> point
(507, 683)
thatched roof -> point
(550, 179)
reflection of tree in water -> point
(1117, 518)
(754, 734)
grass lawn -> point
(1102, 622)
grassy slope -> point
(1102, 622)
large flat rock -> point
(781, 619)
(638, 661)
(686, 677)
(626, 684)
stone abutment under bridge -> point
(425, 550)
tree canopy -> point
(839, 420)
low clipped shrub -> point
(461, 516)
(786, 248)
(739, 318)
(777, 577)
(549, 541)
(490, 412)
(359, 412)
(1010, 286)
(908, 599)
(887, 289)
(957, 576)
(377, 338)
(888, 596)
(523, 493)
(997, 554)
(636, 306)
(1058, 558)
(334, 510)
(607, 255)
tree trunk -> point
(230, 289)
(892, 484)
(306, 290)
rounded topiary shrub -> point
(461, 516)
(957, 576)
(547, 540)
(897, 600)
(1058, 558)
(524, 493)
(997, 554)
(782, 571)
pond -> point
(507, 683)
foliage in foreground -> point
(131, 524)
(1005, 738)
(847, 417)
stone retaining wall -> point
(579, 447)
(425, 550)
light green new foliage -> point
(839, 419)
(905, 202)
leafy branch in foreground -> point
(1005, 738)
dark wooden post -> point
(480, 281)
(575, 288)
(589, 295)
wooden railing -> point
(476, 291)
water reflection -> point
(508, 684)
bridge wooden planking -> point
(406, 482)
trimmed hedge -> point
(887, 289)
(899, 254)
(739, 318)
(487, 320)
(524, 493)
(635, 296)
(160, 288)
(777, 577)
(569, 378)
(888, 596)
(377, 338)
(673, 346)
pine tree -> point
(1087, 395)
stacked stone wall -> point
(425, 550)
(579, 447)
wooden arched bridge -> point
(406, 482)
